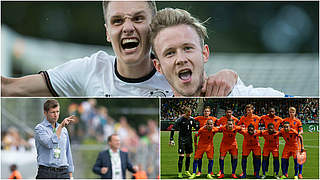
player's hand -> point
(68, 120)
(171, 143)
(220, 84)
(104, 170)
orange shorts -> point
(233, 150)
(256, 150)
(200, 151)
(287, 152)
(268, 150)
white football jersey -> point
(97, 76)
(240, 90)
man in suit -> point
(113, 163)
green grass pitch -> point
(169, 158)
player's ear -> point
(205, 53)
(108, 37)
(157, 65)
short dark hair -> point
(227, 109)
(50, 103)
(270, 124)
(231, 120)
(207, 107)
(151, 3)
(251, 126)
(286, 122)
(110, 137)
(13, 167)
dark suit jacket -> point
(104, 160)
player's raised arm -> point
(31, 85)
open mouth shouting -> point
(185, 75)
(129, 45)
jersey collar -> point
(133, 80)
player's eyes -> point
(169, 54)
(138, 19)
(116, 21)
(188, 48)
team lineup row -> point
(251, 126)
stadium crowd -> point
(12, 140)
(171, 108)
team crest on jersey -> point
(158, 93)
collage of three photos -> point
(159, 90)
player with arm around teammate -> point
(276, 121)
(184, 125)
(202, 122)
(246, 120)
(129, 73)
(229, 144)
(291, 136)
(296, 124)
(223, 120)
(250, 143)
(205, 145)
(271, 145)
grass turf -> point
(169, 158)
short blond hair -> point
(293, 109)
(171, 17)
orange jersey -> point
(291, 138)
(276, 121)
(223, 120)
(250, 140)
(229, 136)
(270, 140)
(203, 120)
(295, 123)
(15, 175)
(206, 137)
(246, 121)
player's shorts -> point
(185, 147)
(289, 151)
(200, 151)
(268, 150)
(256, 150)
(232, 149)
